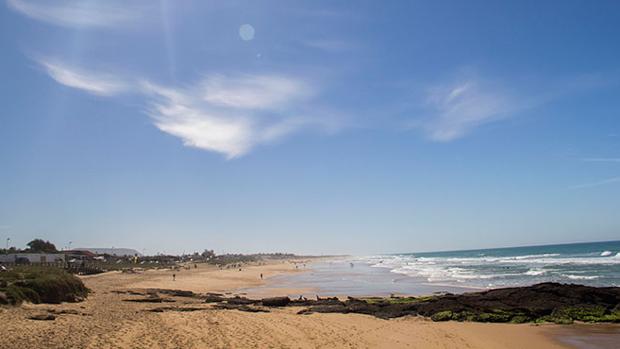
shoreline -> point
(106, 319)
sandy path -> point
(106, 321)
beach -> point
(107, 320)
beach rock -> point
(535, 301)
(214, 298)
(553, 302)
(312, 302)
(174, 293)
(240, 307)
(180, 309)
(241, 300)
(63, 311)
(276, 301)
(150, 300)
(335, 308)
(43, 317)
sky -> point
(317, 127)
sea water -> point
(596, 264)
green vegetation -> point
(34, 246)
(225, 259)
(585, 314)
(443, 316)
(495, 315)
(40, 246)
(41, 285)
(560, 316)
(397, 300)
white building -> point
(32, 257)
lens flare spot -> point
(246, 32)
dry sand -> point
(104, 320)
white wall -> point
(32, 257)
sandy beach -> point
(106, 320)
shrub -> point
(42, 285)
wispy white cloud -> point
(456, 110)
(95, 83)
(596, 184)
(233, 114)
(228, 114)
(449, 111)
(79, 13)
(254, 91)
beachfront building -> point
(32, 258)
(82, 255)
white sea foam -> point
(535, 272)
(580, 277)
(497, 270)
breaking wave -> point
(492, 269)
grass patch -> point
(41, 285)
(397, 300)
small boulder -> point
(43, 317)
(213, 299)
(276, 301)
(240, 300)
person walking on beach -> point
(261, 276)
(174, 276)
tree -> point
(40, 246)
(208, 254)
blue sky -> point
(309, 126)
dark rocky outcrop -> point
(552, 302)
(179, 309)
(214, 298)
(156, 291)
(276, 301)
(173, 293)
(561, 303)
(241, 307)
(241, 301)
(150, 300)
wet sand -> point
(591, 336)
(105, 320)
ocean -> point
(596, 264)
